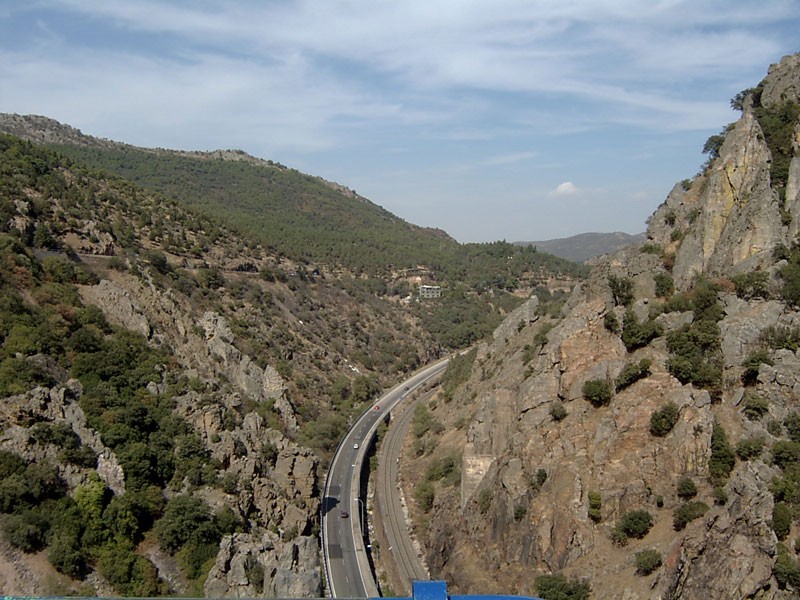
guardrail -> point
(365, 569)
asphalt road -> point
(347, 565)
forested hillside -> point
(296, 215)
(162, 380)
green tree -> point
(621, 290)
(647, 561)
(686, 488)
(786, 569)
(557, 587)
(781, 520)
(663, 420)
(424, 494)
(558, 411)
(750, 447)
(635, 523)
(686, 513)
(723, 456)
(632, 373)
(665, 286)
(186, 519)
(635, 334)
(597, 391)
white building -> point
(430, 291)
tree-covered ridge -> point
(331, 344)
(313, 221)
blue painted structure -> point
(437, 590)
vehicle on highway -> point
(355, 446)
(344, 514)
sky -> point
(520, 120)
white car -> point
(355, 446)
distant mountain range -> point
(584, 246)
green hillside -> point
(313, 221)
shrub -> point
(129, 573)
(611, 323)
(781, 520)
(663, 420)
(540, 477)
(774, 427)
(635, 523)
(695, 348)
(186, 520)
(647, 561)
(752, 364)
(755, 406)
(686, 488)
(786, 569)
(723, 457)
(558, 587)
(777, 123)
(720, 495)
(632, 373)
(638, 335)
(781, 338)
(687, 513)
(10, 464)
(792, 424)
(754, 284)
(665, 286)
(269, 452)
(422, 421)
(557, 411)
(597, 391)
(65, 553)
(26, 531)
(425, 494)
(446, 467)
(595, 504)
(651, 248)
(695, 354)
(751, 447)
(785, 453)
(621, 290)
(520, 510)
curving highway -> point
(347, 566)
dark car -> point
(344, 514)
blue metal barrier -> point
(437, 590)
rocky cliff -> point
(561, 426)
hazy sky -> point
(492, 119)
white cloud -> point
(469, 98)
(617, 53)
(563, 190)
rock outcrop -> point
(540, 466)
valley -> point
(187, 338)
